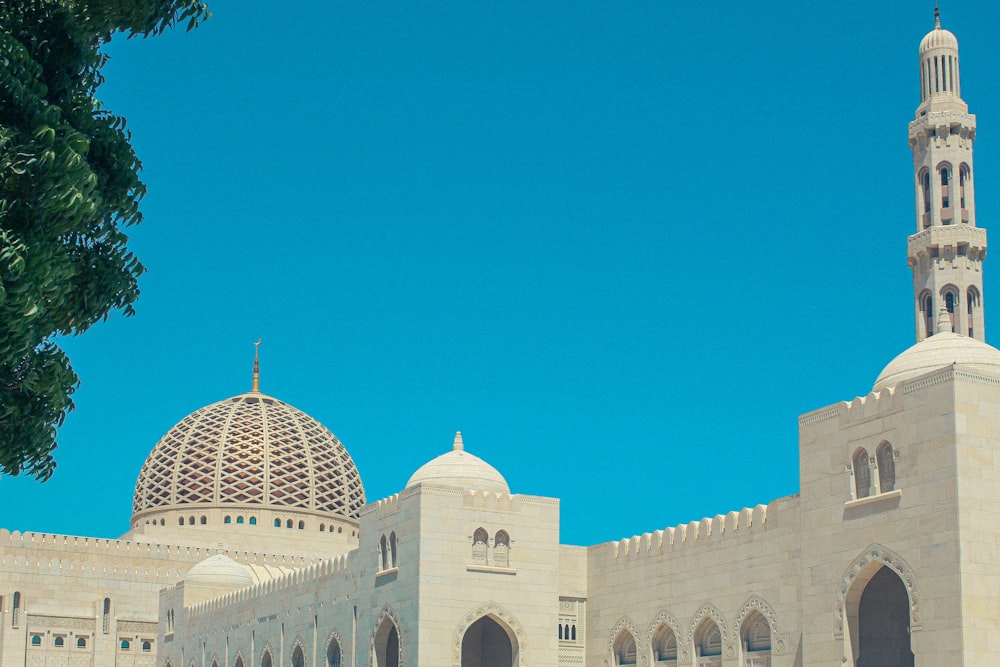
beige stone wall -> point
(437, 587)
(62, 582)
(724, 568)
(916, 529)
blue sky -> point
(620, 246)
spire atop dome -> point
(943, 320)
(255, 384)
(458, 445)
(937, 16)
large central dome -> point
(251, 451)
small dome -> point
(219, 570)
(251, 450)
(460, 469)
(938, 351)
(939, 38)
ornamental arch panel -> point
(387, 648)
(623, 646)
(856, 580)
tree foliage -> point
(69, 186)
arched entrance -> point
(387, 645)
(883, 622)
(487, 643)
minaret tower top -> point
(947, 251)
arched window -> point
(125, 645)
(665, 645)
(253, 521)
(333, 654)
(862, 474)
(927, 311)
(479, 540)
(180, 521)
(58, 642)
(964, 176)
(886, 467)
(239, 519)
(708, 644)
(106, 620)
(560, 631)
(288, 524)
(756, 636)
(81, 642)
(15, 616)
(501, 549)
(950, 295)
(298, 659)
(322, 528)
(36, 640)
(972, 305)
(277, 523)
(204, 520)
(573, 632)
(383, 553)
(265, 660)
(925, 189)
(190, 520)
(624, 649)
(163, 522)
(228, 519)
(945, 177)
(392, 548)
(302, 525)
(147, 646)
(239, 661)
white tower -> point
(946, 253)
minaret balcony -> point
(972, 239)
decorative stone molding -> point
(37, 621)
(145, 627)
(238, 658)
(216, 661)
(625, 624)
(877, 553)
(497, 612)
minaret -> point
(946, 253)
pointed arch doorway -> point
(489, 643)
(882, 622)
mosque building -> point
(252, 543)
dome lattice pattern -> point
(251, 449)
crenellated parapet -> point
(106, 550)
(875, 405)
(731, 526)
(307, 578)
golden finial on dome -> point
(255, 386)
